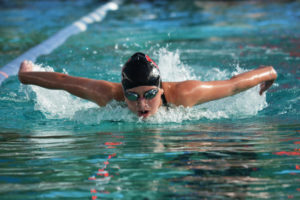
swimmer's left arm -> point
(264, 75)
(189, 93)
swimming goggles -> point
(133, 96)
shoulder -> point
(105, 91)
(118, 93)
(172, 88)
(178, 93)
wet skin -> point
(185, 93)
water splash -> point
(55, 103)
(171, 67)
(60, 104)
(242, 105)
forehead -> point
(141, 89)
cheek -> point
(154, 103)
(131, 105)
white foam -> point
(171, 67)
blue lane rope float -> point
(47, 46)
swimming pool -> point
(56, 146)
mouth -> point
(143, 113)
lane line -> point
(47, 46)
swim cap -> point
(140, 70)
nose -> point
(141, 102)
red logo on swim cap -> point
(150, 60)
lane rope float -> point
(47, 46)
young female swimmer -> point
(142, 89)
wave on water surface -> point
(55, 104)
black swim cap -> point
(140, 70)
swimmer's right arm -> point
(98, 91)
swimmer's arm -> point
(190, 93)
(98, 91)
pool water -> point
(57, 146)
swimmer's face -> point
(144, 107)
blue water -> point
(56, 146)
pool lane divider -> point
(47, 46)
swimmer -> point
(142, 88)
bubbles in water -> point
(60, 104)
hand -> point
(26, 66)
(265, 85)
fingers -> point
(265, 85)
(261, 91)
(26, 66)
(262, 85)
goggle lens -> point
(132, 96)
(150, 94)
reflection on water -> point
(197, 162)
(221, 166)
(53, 146)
